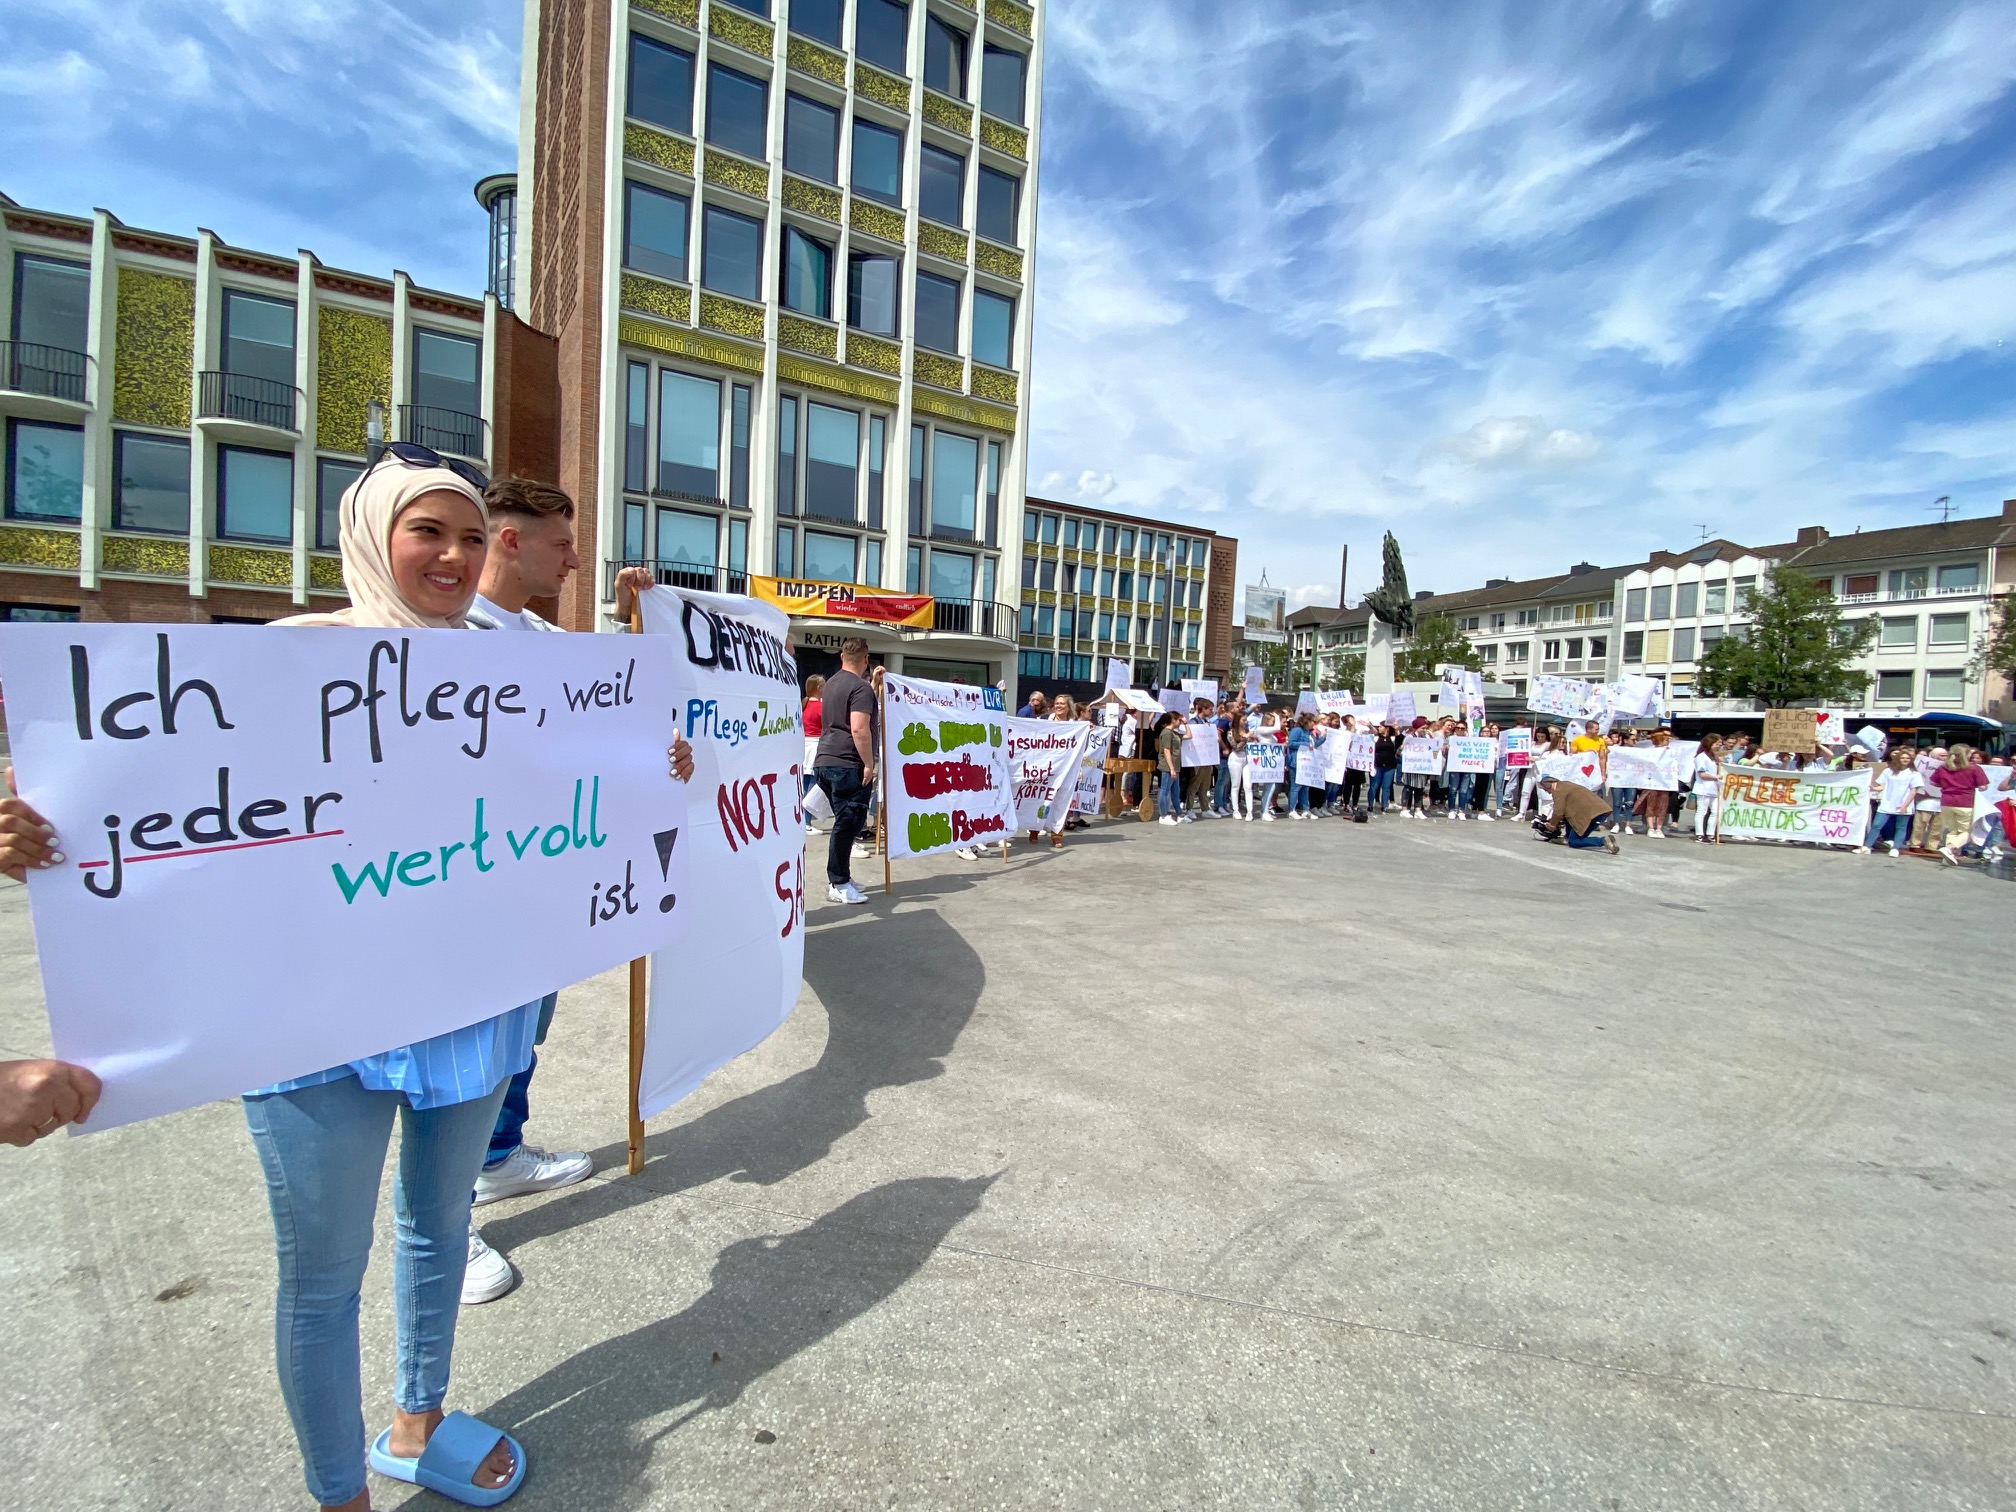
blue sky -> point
(1525, 283)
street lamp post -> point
(1168, 581)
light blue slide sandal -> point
(451, 1459)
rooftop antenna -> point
(1705, 535)
(1944, 504)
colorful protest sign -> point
(1583, 768)
(1562, 697)
(271, 833)
(1421, 755)
(1472, 753)
(1359, 753)
(1043, 759)
(1518, 747)
(1118, 675)
(1400, 708)
(1200, 744)
(1266, 762)
(1254, 694)
(1801, 808)
(945, 765)
(1789, 730)
(847, 601)
(1645, 768)
(735, 976)
(1830, 727)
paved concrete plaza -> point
(1259, 1166)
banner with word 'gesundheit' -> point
(1043, 760)
(289, 849)
(945, 760)
(735, 976)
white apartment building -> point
(1679, 604)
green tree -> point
(1437, 643)
(1273, 660)
(1342, 669)
(1797, 649)
(1995, 652)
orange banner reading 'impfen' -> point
(853, 601)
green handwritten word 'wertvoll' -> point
(418, 868)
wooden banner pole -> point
(882, 777)
(638, 997)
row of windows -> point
(1044, 620)
(1049, 529)
(1912, 582)
(882, 37)
(731, 262)
(1110, 582)
(52, 295)
(1946, 685)
(1071, 668)
(150, 484)
(1592, 611)
(738, 118)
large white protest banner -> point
(1043, 758)
(1421, 755)
(735, 976)
(1472, 753)
(272, 833)
(945, 766)
(1200, 743)
(1802, 808)
(1584, 768)
(1518, 746)
(1645, 768)
(1360, 751)
(1266, 762)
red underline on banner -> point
(211, 850)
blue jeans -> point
(517, 1107)
(1621, 800)
(1459, 784)
(849, 796)
(1170, 800)
(323, 1151)
(1266, 803)
(1896, 827)
(1221, 792)
(1382, 788)
(1298, 799)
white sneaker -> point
(531, 1169)
(1268, 817)
(1249, 818)
(1951, 858)
(864, 850)
(1861, 850)
(489, 1275)
(846, 892)
(1169, 819)
(1457, 815)
(1487, 818)
(967, 853)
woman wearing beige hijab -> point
(414, 536)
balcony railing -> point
(445, 430)
(986, 618)
(28, 367)
(701, 577)
(239, 396)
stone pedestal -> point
(1379, 657)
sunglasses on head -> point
(426, 456)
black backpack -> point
(1360, 815)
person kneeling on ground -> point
(1579, 816)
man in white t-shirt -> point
(531, 555)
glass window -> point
(1715, 597)
(654, 231)
(754, 7)
(941, 189)
(832, 454)
(1046, 575)
(1710, 635)
(1861, 584)
(1067, 623)
(1069, 573)
(882, 34)
(951, 575)
(151, 483)
(1126, 546)
(937, 312)
(871, 569)
(1196, 595)
(1662, 602)
(259, 337)
(731, 257)
(1126, 585)
(1162, 546)
(636, 434)
(1686, 600)
(1745, 586)
(738, 111)
(738, 447)
(993, 328)
(913, 570)
(877, 167)
(1070, 531)
(1948, 687)
(944, 58)
(255, 495)
(45, 471)
(687, 538)
(955, 476)
(37, 614)
(1659, 646)
(1112, 539)
(1634, 606)
(829, 558)
(817, 19)
(1634, 648)
(52, 302)
(1121, 622)
(1003, 86)
(1046, 620)
(689, 435)
(987, 566)
(1683, 644)
(1000, 194)
(633, 532)
(1899, 632)
(1105, 627)
(878, 443)
(1105, 582)
(1197, 549)
(738, 549)
(1028, 617)
(993, 536)
(1893, 686)
(1964, 577)
(916, 484)
(1028, 572)
(1048, 526)
(811, 139)
(787, 455)
(447, 375)
(1033, 664)
(333, 478)
(1599, 645)
(871, 293)
(661, 84)
(1948, 630)
(808, 274)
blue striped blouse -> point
(451, 1068)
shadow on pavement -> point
(770, 1298)
(897, 992)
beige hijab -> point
(370, 507)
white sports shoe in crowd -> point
(846, 892)
(489, 1275)
(1170, 819)
(531, 1169)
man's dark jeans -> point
(517, 1106)
(849, 796)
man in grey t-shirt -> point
(844, 763)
